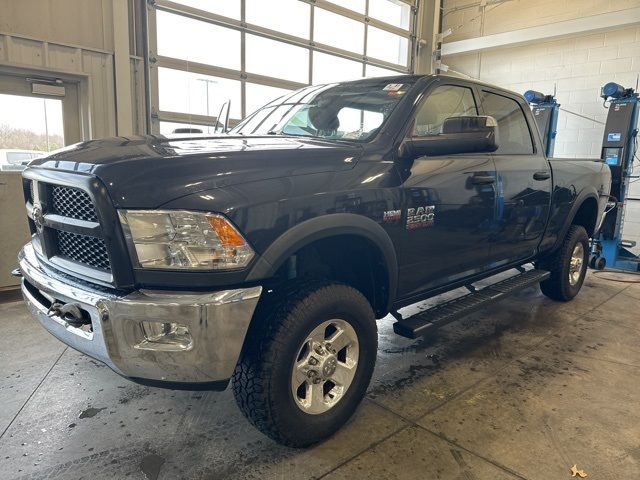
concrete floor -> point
(525, 389)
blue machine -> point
(545, 112)
(618, 151)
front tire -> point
(307, 364)
(568, 266)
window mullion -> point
(366, 38)
(243, 61)
(311, 43)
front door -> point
(31, 124)
(448, 201)
(523, 183)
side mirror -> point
(222, 122)
(473, 134)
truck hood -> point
(146, 172)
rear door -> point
(523, 190)
(448, 200)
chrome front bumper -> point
(217, 323)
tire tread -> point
(251, 379)
(557, 286)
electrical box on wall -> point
(48, 89)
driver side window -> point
(443, 102)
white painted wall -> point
(576, 66)
(512, 15)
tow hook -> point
(70, 312)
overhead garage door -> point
(252, 51)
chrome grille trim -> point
(107, 245)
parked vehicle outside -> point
(17, 160)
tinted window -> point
(513, 133)
(443, 102)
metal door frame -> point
(75, 110)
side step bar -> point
(429, 320)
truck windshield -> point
(347, 111)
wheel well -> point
(350, 259)
(587, 215)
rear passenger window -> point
(514, 137)
(443, 102)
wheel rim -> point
(575, 264)
(325, 366)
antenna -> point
(555, 89)
(637, 79)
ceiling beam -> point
(544, 33)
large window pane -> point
(338, 31)
(387, 46)
(188, 92)
(393, 12)
(287, 16)
(373, 71)
(226, 8)
(30, 126)
(197, 41)
(260, 95)
(329, 68)
(277, 59)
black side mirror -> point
(222, 122)
(473, 134)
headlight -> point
(184, 240)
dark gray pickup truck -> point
(264, 256)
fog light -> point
(167, 337)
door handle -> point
(483, 180)
(544, 175)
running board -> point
(425, 322)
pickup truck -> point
(264, 256)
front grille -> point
(73, 203)
(58, 227)
(84, 249)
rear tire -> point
(568, 266)
(272, 384)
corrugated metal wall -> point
(73, 37)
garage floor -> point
(526, 389)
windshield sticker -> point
(393, 87)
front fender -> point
(326, 226)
